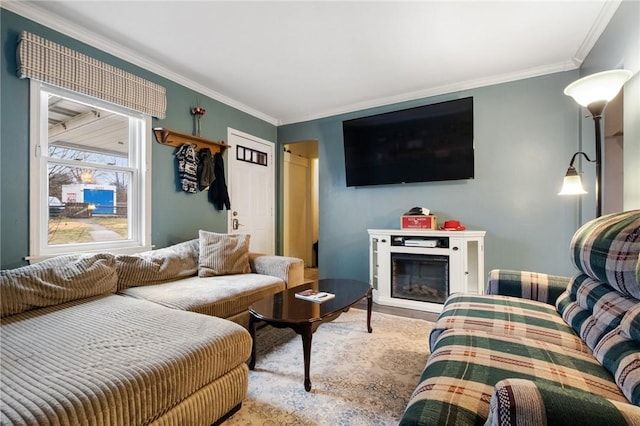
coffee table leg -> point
(369, 306)
(252, 332)
(306, 348)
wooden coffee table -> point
(284, 310)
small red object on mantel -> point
(453, 225)
(418, 222)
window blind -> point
(49, 62)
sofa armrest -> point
(524, 402)
(526, 285)
(288, 269)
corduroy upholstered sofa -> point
(540, 349)
(99, 339)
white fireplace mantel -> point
(465, 251)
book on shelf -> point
(315, 295)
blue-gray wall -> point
(525, 134)
(176, 216)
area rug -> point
(357, 378)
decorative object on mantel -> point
(177, 139)
(198, 112)
(418, 218)
(453, 225)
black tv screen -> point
(422, 144)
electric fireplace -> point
(420, 277)
(419, 269)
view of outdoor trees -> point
(88, 173)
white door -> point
(251, 187)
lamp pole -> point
(596, 108)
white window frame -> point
(139, 197)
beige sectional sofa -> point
(122, 340)
(172, 277)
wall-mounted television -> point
(423, 144)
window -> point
(90, 186)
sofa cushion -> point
(221, 296)
(57, 280)
(619, 352)
(114, 360)
(505, 315)
(592, 308)
(607, 248)
(458, 380)
(223, 254)
(158, 266)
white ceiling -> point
(287, 62)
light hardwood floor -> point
(312, 274)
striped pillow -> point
(158, 266)
(619, 352)
(593, 308)
(55, 281)
(223, 254)
(607, 248)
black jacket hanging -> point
(218, 193)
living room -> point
(523, 127)
(526, 131)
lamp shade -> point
(572, 184)
(602, 86)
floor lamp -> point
(593, 92)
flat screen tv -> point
(422, 144)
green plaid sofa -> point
(539, 349)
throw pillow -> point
(606, 249)
(55, 281)
(223, 254)
(158, 266)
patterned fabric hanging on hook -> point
(188, 167)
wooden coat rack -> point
(177, 139)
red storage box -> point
(419, 222)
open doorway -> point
(300, 204)
(613, 157)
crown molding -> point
(609, 8)
(30, 10)
(436, 91)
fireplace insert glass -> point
(420, 277)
